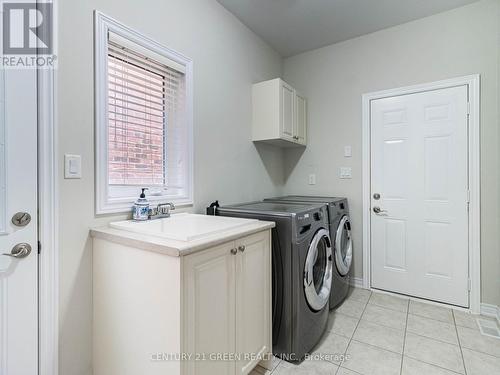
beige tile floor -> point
(385, 335)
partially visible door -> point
(287, 98)
(18, 194)
(300, 119)
(419, 187)
(253, 301)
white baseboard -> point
(356, 282)
(488, 310)
(492, 311)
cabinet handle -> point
(241, 248)
(234, 251)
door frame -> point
(48, 231)
(474, 167)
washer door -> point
(318, 271)
(343, 246)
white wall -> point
(228, 58)
(498, 101)
(456, 43)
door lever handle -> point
(378, 210)
(21, 250)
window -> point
(143, 119)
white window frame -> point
(103, 26)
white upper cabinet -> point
(300, 119)
(279, 114)
(287, 107)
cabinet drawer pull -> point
(241, 248)
(234, 251)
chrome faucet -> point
(161, 211)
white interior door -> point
(18, 194)
(419, 181)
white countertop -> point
(174, 247)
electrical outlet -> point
(345, 172)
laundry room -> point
(279, 187)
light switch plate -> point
(345, 172)
(72, 166)
(312, 179)
(347, 151)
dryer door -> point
(343, 246)
(318, 271)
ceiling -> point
(295, 26)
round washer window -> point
(318, 271)
(320, 264)
(343, 246)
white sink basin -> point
(183, 227)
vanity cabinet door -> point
(209, 308)
(253, 301)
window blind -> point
(144, 102)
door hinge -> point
(468, 196)
(469, 285)
(39, 247)
(468, 108)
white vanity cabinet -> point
(279, 114)
(200, 310)
(231, 314)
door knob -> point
(378, 210)
(21, 250)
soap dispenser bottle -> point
(140, 210)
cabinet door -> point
(287, 96)
(300, 130)
(253, 300)
(209, 308)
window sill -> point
(124, 207)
